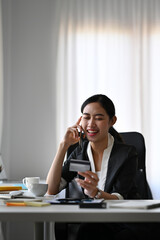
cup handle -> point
(24, 181)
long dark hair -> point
(108, 106)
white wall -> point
(28, 143)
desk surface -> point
(72, 213)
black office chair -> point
(136, 139)
(66, 231)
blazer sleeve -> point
(78, 153)
(122, 171)
(66, 174)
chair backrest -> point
(131, 138)
(136, 139)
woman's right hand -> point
(72, 135)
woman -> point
(113, 165)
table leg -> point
(39, 231)
(49, 231)
(2, 230)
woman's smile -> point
(92, 132)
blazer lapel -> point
(115, 161)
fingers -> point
(90, 181)
(90, 186)
(72, 134)
(78, 125)
(79, 120)
(74, 128)
(74, 131)
(84, 184)
(89, 175)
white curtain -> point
(112, 47)
(2, 170)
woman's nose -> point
(91, 122)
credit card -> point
(77, 165)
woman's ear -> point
(113, 120)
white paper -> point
(135, 204)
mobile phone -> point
(94, 203)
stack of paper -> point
(5, 191)
(135, 204)
(37, 204)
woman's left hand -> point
(89, 183)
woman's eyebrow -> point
(97, 114)
(86, 114)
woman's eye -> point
(87, 118)
(99, 119)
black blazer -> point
(122, 168)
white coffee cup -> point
(38, 189)
(27, 181)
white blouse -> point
(104, 167)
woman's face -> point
(95, 122)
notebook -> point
(135, 204)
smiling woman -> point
(96, 122)
(113, 165)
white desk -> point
(72, 213)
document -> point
(135, 204)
